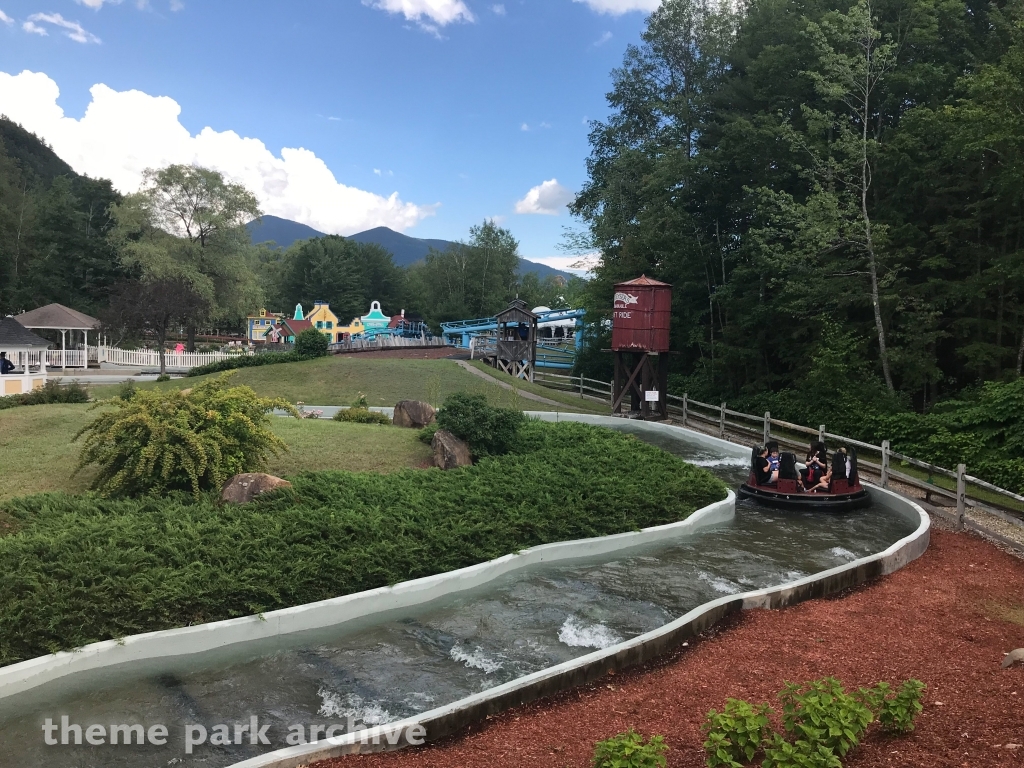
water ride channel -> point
(454, 647)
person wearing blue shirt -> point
(6, 366)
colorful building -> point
(289, 329)
(375, 320)
(257, 325)
(323, 319)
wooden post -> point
(767, 427)
(581, 386)
(685, 409)
(821, 434)
(961, 495)
(721, 422)
(885, 463)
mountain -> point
(406, 250)
(283, 232)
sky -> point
(426, 116)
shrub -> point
(156, 442)
(629, 750)
(489, 431)
(823, 712)
(823, 723)
(311, 343)
(736, 734)
(246, 361)
(162, 378)
(896, 714)
(426, 435)
(51, 392)
(79, 569)
(362, 416)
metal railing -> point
(881, 459)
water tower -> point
(640, 339)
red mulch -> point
(405, 353)
(941, 619)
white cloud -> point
(619, 7)
(95, 4)
(5, 18)
(123, 133)
(72, 29)
(602, 39)
(429, 14)
(577, 265)
(498, 9)
(548, 198)
(523, 127)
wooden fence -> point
(957, 485)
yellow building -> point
(324, 320)
(353, 328)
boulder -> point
(1012, 658)
(241, 489)
(449, 451)
(413, 413)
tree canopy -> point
(793, 167)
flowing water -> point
(395, 666)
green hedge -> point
(51, 392)
(247, 361)
(80, 569)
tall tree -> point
(188, 222)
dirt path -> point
(946, 619)
(505, 385)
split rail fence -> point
(956, 486)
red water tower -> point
(641, 314)
(641, 317)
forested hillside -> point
(834, 189)
(53, 229)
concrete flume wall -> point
(451, 718)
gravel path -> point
(946, 619)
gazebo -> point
(27, 352)
(57, 317)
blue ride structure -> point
(461, 333)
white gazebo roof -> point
(57, 317)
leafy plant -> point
(362, 416)
(489, 431)
(426, 435)
(736, 734)
(897, 713)
(360, 401)
(311, 343)
(162, 378)
(822, 712)
(629, 750)
(802, 753)
(156, 442)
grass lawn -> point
(37, 455)
(339, 379)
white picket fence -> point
(142, 358)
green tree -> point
(188, 222)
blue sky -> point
(431, 115)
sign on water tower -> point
(641, 314)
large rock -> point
(413, 413)
(1012, 658)
(241, 489)
(449, 451)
